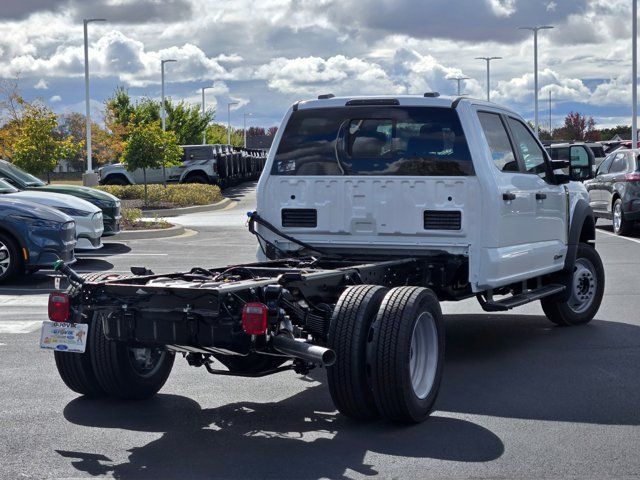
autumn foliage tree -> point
(578, 127)
(37, 148)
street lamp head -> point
(536, 28)
(89, 20)
(168, 60)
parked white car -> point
(88, 217)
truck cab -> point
(425, 176)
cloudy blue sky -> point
(267, 54)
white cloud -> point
(55, 99)
(41, 85)
(339, 74)
(502, 8)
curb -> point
(174, 212)
(153, 233)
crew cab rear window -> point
(373, 140)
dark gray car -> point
(614, 193)
(33, 236)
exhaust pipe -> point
(303, 350)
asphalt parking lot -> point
(521, 398)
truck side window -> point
(560, 153)
(498, 140)
(532, 153)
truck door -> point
(529, 229)
(549, 201)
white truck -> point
(371, 211)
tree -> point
(184, 119)
(37, 148)
(255, 131)
(579, 127)
(187, 122)
(217, 133)
(624, 131)
(271, 131)
(149, 147)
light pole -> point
(535, 66)
(634, 75)
(229, 121)
(86, 22)
(204, 133)
(162, 109)
(488, 60)
(459, 79)
(244, 127)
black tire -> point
(114, 366)
(11, 262)
(623, 226)
(115, 180)
(196, 178)
(390, 354)
(76, 369)
(571, 311)
(348, 332)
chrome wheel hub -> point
(423, 360)
(617, 217)
(5, 258)
(584, 286)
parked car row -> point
(614, 182)
(222, 165)
(42, 223)
(109, 204)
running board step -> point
(490, 305)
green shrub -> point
(131, 215)
(181, 195)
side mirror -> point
(578, 170)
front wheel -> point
(586, 291)
(10, 261)
(406, 355)
(621, 226)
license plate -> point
(64, 337)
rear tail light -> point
(254, 318)
(59, 307)
(632, 177)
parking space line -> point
(19, 326)
(97, 255)
(634, 240)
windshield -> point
(373, 140)
(11, 171)
(6, 187)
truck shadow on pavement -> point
(299, 437)
(510, 366)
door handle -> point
(508, 196)
(541, 196)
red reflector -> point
(632, 177)
(58, 307)
(254, 318)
